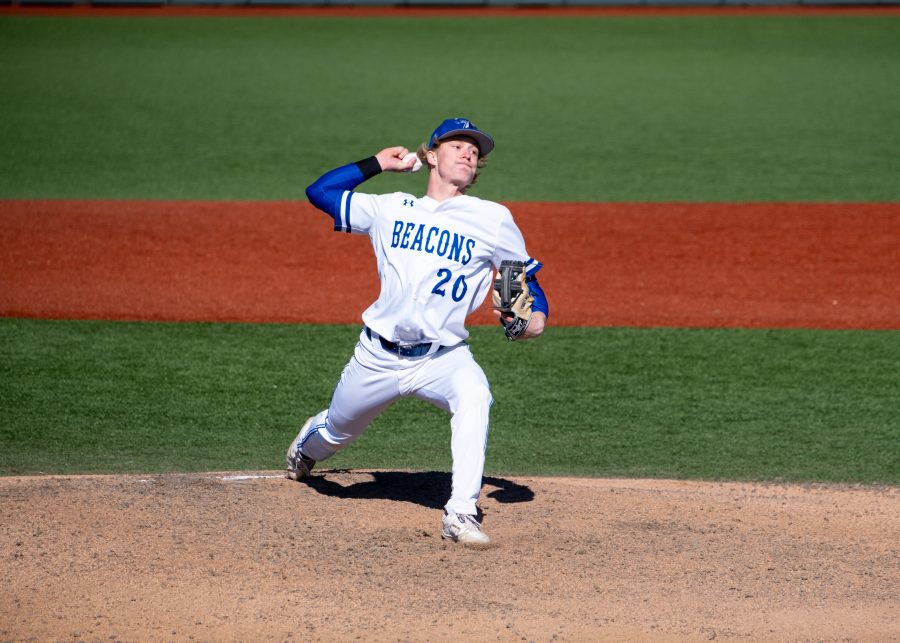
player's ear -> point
(431, 157)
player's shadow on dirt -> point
(427, 488)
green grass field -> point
(585, 109)
(623, 109)
(723, 404)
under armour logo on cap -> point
(462, 127)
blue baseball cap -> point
(462, 127)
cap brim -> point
(485, 142)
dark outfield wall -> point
(662, 4)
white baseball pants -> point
(375, 378)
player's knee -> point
(479, 397)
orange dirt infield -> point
(356, 555)
(687, 265)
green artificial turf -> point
(728, 108)
(792, 405)
(760, 108)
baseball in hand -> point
(416, 166)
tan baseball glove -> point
(512, 298)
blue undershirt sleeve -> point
(326, 192)
(540, 299)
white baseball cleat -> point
(463, 528)
(298, 465)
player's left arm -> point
(540, 309)
(520, 304)
(511, 245)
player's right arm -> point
(332, 191)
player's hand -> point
(391, 159)
(535, 326)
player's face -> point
(457, 160)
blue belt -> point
(412, 350)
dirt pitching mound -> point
(358, 556)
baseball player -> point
(436, 254)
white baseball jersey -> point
(435, 260)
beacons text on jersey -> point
(409, 235)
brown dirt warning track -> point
(695, 265)
(356, 555)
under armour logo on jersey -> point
(408, 202)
